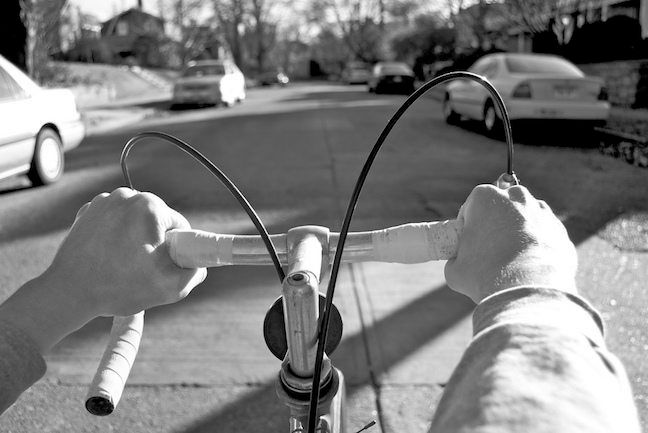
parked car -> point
(533, 86)
(210, 82)
(391, 77)
(38, 126)
(273, 77)
(356, 73)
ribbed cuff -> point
(540, 306)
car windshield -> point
(395, 69)
(202, 70)
(541, 65)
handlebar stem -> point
(306, 247)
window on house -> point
(122, 28)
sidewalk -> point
(629, 121)
(104, 117)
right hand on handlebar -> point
(510, 239)
(115, 258)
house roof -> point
(129, 12)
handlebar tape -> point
(417, 242)
(200, 249)
(113, 370)
(408, 243)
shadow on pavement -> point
(402, 332)
(539, 133)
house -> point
(132, 35)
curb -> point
(102, 121)
(632, 148)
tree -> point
(41, 19)
(229, 15)
(534, 15)
(185, 17)
(402, 9)
(263, 31)
(360, 23)
(430, 39)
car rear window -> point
(541, 65)
(202, 70)
(395, 69)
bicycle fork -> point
(308, 250)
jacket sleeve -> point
(537, 363)
(21, 364)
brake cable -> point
(218, 173)
(337, 260)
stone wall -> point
(626, 81)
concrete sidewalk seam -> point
(356, 283)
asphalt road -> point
(295, 153)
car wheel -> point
(48, 161)
(451, 116)
(491, 122)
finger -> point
(81, 211)
(481, 197)
(191, 279)
(98, 197)
(123, 192)
(480, 193)
(520, 194)
(175, 220)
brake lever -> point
(507, 180)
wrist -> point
(46, 310)
(530, 272)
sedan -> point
(533, 86)
(210, 82)
(356, 73)
(38, 126)
(391, 77)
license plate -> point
(564, 92)
(549, 113)
(398, 79)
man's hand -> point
(114, 256)
(510, 239)
(112, 262)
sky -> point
(104, 9)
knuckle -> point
(485, 192)
(147, 202)
(519, 193)
(122, 192)
(99, 197)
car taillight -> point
(523, 90)
(603, 94)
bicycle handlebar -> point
(108, 383)
(407, 243)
